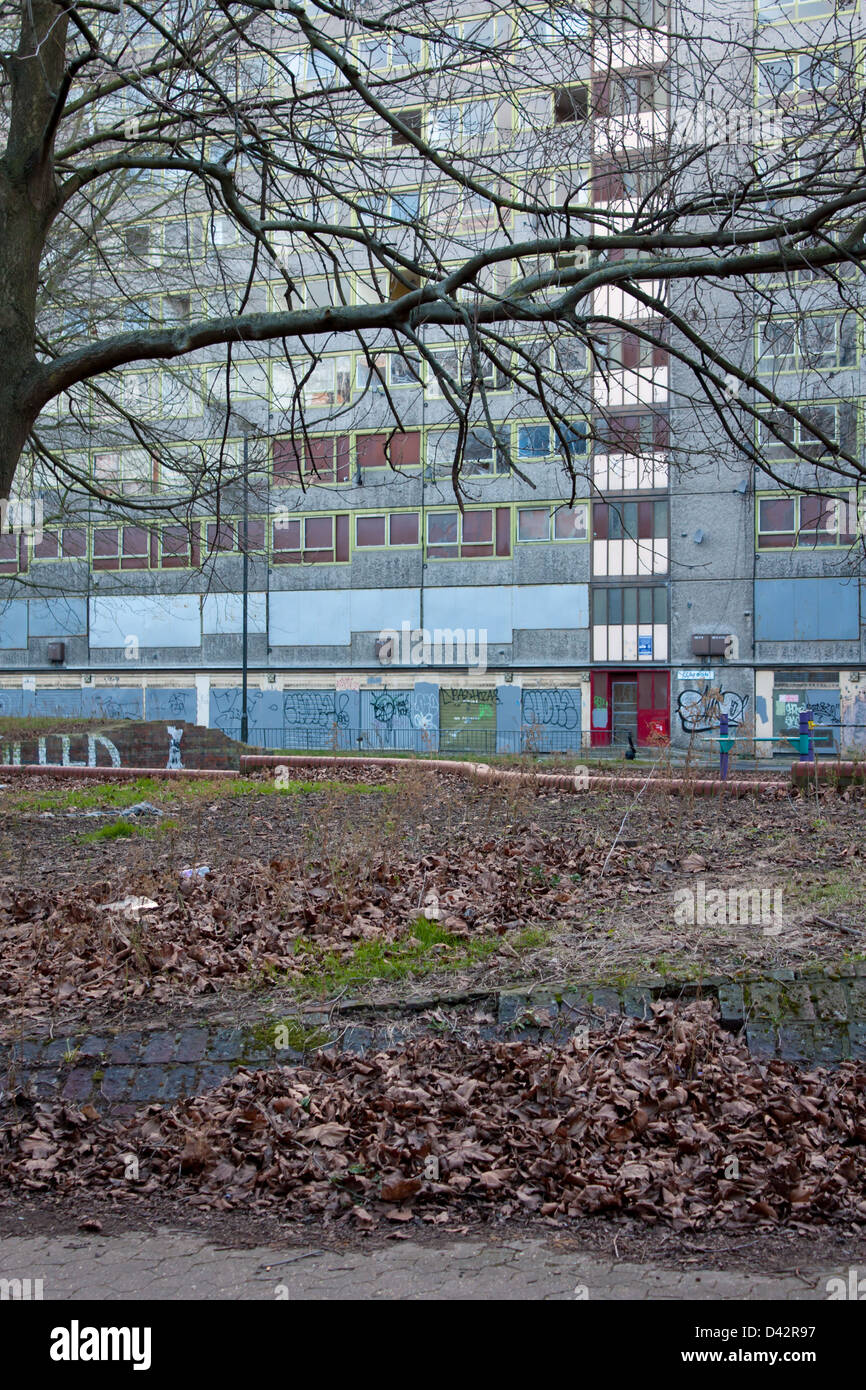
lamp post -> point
(246, 594)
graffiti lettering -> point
(699, 710)
(462, 697)
(557, 709)
(316, 709)
(174, 738)
(11, 752)
(386, 707)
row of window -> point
(821, 341)
(315, 539)
(628, 448)
(629, 537)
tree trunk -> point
(27, 193)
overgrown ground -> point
(150, 903)
(403, 883)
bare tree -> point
(306, 213)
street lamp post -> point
(246, 596)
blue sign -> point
(644, 646)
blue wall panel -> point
(13, 623)
(58, 617)
(807, 610)
(170, 704)
(400, 719)
(551, 719)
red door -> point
(653, 707)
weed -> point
(115, 830)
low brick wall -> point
(158, 744)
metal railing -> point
(420, 742)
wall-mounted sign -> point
(644, 646)
(694, 675)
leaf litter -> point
(669, 1120)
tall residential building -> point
(677, 580)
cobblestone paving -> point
(804, 1018)
(171, 1265)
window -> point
(479, 532)
(570, 104)
(412, 119)
(222, 535)
(559, 523)
(141, 393)
(631, 95)
(471, 123)
(632, 433)
(773, 11)
(328, 382)
(379, 54)
(557, 24)
(310, 540)
(405, 369)
(320, 69)
(478, 369)
(777, 522)
(121, 547)
(136, 316)
(9, 553)
(403, 528)
(629, 14)
(533, 523)
(629, 623)
(569, 357)
(782, 437)
(810, 343)
(136, 241)
(533, 442)
(175, 308)
(67, 543)
(377, 530)
(620, 351)
(805, 522)
(405, 207)
(798, 76)
(394, 450)
(463, 367)
(484, 453)
(630, 538)
(322, 460)
(442, 534)
(130, 471)
(569, 523)
(370, 530)
(179, 547)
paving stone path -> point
(173, 1265)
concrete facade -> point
(587, 635)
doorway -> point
(623, 700)
(630, 702)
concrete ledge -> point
(561, 781)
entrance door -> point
(623, 699)
(653, 707)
